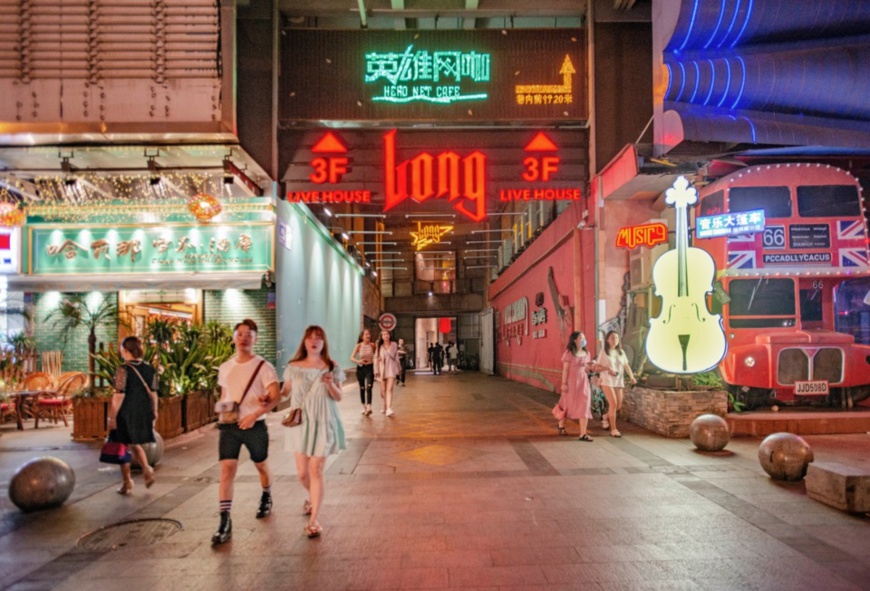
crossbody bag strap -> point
(136, 371)
(251, 381)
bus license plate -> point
(811, 388)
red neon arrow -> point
(541, 143)
(329, 143)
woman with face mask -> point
(576, 399)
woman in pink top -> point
(576, 400)
(387, 367)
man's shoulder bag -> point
(228, 410)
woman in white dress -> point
(611, 365)
(313, 382)
(387, 367)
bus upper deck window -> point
(775, 201)
(828, 201)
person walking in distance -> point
(134, 409)
(430, 355)
(363, 356)
(437, 359)
(249, 389)
(387, 367)
(611, 364)
(403, 361)
(452, 356)
(576, 400)
(313, 382)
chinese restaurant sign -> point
(150, 249)
(423, 75)
(730, 224)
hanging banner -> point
(168, 248)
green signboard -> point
(474, 75)
(167, 248)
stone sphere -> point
(153, 451)
(42, 483)
(709, 433)
(785, 456)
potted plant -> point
(76, 312)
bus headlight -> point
(749, 361)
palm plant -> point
(74, 313)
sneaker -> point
(265, 506)
(389, 412)
(605, 424)
(225, 530)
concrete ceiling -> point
(431, 14)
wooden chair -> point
(38, 380)
(57, 406)
(7, 411)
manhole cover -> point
(130, 534)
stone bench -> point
(845, 487)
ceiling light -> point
(491, 231)
(360, 215)
(430, 215)
(389, 232)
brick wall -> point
(49, 338)
(669, 412)
(234, 305)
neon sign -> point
(434, 77)
(729, 224)
(428, 235)
(541, 166)
(460, 179)
(328, 168)
(646, 235)
(549, 94)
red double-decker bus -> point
(795, 293)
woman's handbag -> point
(113, 451)
(293, 418)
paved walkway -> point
(466, 487)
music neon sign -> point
(429, 234)
(421, 76)
(646, 235)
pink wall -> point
(570, 253)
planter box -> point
(670, 412)
(169, 417)
(197, 409)
(89, 418)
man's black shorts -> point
(256, 439)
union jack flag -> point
(850, 244)
(741, 259)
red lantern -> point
(204, 206)
(444, 325)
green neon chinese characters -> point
(435, 77)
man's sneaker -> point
(265, 506)
(225, 531)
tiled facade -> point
(669, 412)
(232, 305)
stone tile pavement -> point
(466, 487)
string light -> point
(11, 215)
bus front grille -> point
(798, 365)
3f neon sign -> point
(462, 179)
